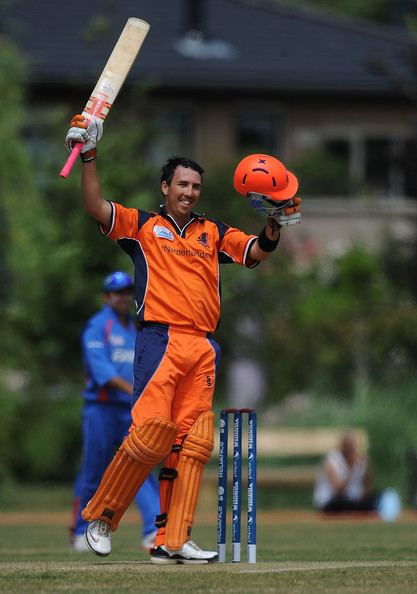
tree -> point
(56, 257)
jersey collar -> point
(181, 231)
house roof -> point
(247, 44)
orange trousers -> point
(175, 375)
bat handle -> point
(65, 171)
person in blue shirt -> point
(108, 344)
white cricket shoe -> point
(188, 554)
(78, 544)
(98, 537)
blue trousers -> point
(104, 428)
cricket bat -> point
(112, 78)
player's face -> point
(182, 194)
(120, 301)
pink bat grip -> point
(65, 171)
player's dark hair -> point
(168, 170)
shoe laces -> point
(193, 545)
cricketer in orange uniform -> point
(177, 284)
(176, 254)
(178, 296)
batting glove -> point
(85, 131)
(290, 215)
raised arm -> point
(96, 206)
(267, 241)
(89, 133)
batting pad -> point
(195, 453)
(142, 449)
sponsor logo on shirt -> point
(185, 252)
(115, 340)
(123, 356)
(94, 344)
(163, 232)
(203, 239)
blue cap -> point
(117, 281)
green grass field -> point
(296, 554)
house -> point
(224, 78)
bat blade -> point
(112, 78)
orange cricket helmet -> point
(265, 175)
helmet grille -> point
(265, 206)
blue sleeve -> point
(96, 355)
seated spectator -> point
(344, 482)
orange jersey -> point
(177, 277)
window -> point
(257, 133)
(410, 168)
(380, 167)
(339, 149)
(172, 135)
(378, 164)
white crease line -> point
(336, 565)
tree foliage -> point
(333, 327)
